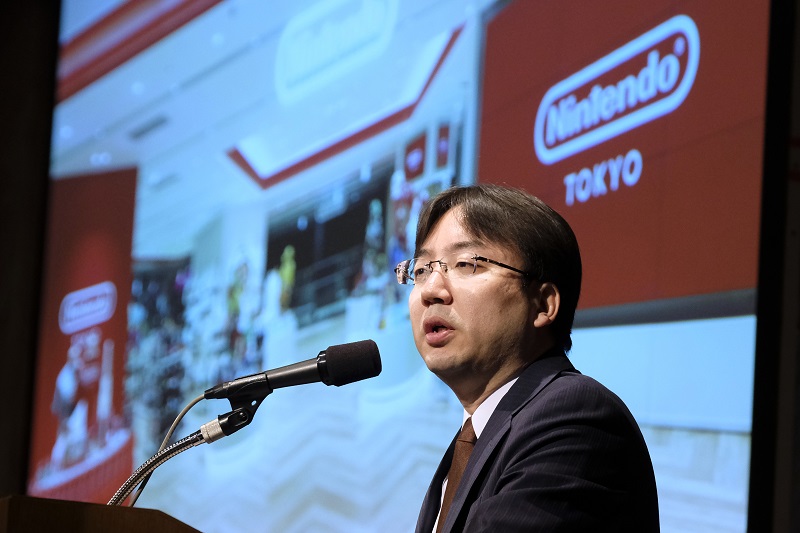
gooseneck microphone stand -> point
(245, 398)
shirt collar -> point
(484, 411)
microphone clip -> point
(245, 396)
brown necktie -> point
(463, 448)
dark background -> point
(28, 46)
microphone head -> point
(354, 361)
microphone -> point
(337, 365)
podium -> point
(25, 514)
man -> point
(496, 277)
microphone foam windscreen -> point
(353, 361)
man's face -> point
(473, 333)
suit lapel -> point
(532, 380)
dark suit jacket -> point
(561, 453)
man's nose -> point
(436, 288)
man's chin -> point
(443, 365)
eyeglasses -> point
(455, 267)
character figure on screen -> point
(496, 277)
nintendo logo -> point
(567, 124)
(87, 307)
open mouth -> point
(436, 325)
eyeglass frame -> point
(402, 272)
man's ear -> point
(547, 302)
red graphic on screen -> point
(414, 160)
(669, 208)
(443, 146)
(81, 445)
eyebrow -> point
(453, 247)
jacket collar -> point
(532, 380)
